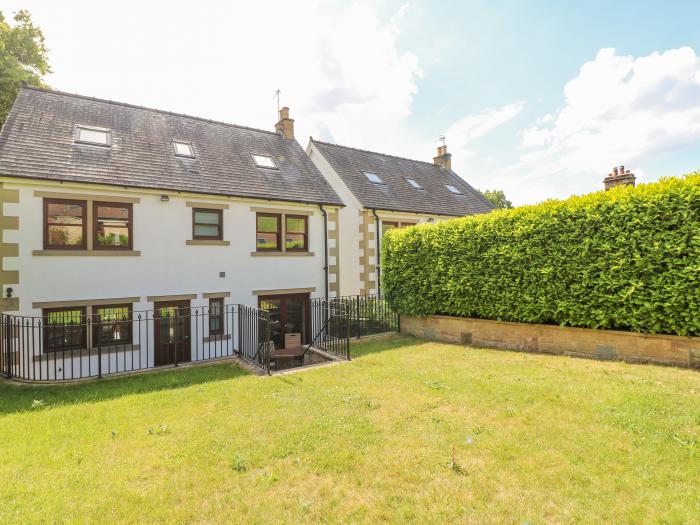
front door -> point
(289, 315)
(172, 332)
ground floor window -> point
(112, 324)
(64, 328)
(216, 316)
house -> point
(110, 209)
(381, 192)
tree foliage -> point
(497, 198)
(23, 58)
(625, 259)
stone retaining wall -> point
(549, 339)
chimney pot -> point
(619, 177)
(443, 158)
(614, 171)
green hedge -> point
(625, 259)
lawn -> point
(409, 431)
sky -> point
(539, 99)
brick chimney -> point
(619, 177)
(285, 125)
(443, 158)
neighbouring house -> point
(382, 192)
(108, 209)
(619, 177)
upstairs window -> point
(183, 149)
(112, 225)
(111, 324)
(453, 189)
(207, 224)
(388, 225)
(268, 234)
(264, 161)
(65, 226)
(373, 177)
(89, 135)
(413, 183)
(296, 233)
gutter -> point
(325, 249)
(378, 242)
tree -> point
(497, 198)
(23, 58)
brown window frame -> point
(82, 344)
(280, 245)
(220, 213)
(305, 248)
(220, 316)
(83, 205)
(95, 242)
(129, 322)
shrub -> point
(625, 259)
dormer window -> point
(264, 161)
(453, 189)
(413, 183)
(183, 149)
(373, 177)
(90, 135)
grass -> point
(409, 431)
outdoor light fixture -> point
(9, 293)
(164, 198)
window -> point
(65, 227)
(64, 329)
(112, 226)
(264, 161)
(373, 177)
(216, 316)
(182, 149)
(413, 183)
(207, 224)
(295, 233)
(453, 189)
(111, 325)
(387, 225)
(98, 136)
(268, 232)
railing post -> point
(240, 331)
(8, 346)
(357, 316)
(99, 348)
(267, 343)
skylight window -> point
(413, 183)
(88, 135)
(264, 161)
(182, 149)
(373, 177)
(453, 189)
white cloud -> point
(472, 127)
(618, 110)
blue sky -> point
(540, 99)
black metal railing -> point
(330, 327)
(369, 315)
(77, 346)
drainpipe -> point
(378, 241)
(325, 248)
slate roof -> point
(37, 141)
(396, 194)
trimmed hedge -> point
(626, 259)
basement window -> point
(373, 177)
(453, 189)
(413, 183)
(90, 135)
(183, 149)
(264, 161)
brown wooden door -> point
(289, 314)
(172, 332)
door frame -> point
(306, 297)
(187, 322)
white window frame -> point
(185, 142)
(453, 190)
(106, 131)
(264, 155)
(414, 183)
(369, 178)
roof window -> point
(373, 177)
(182, 149)
(90, 135)
(264, 161)
(453, 189)
(413, 183)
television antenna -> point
(277, 95)
(441, 138)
